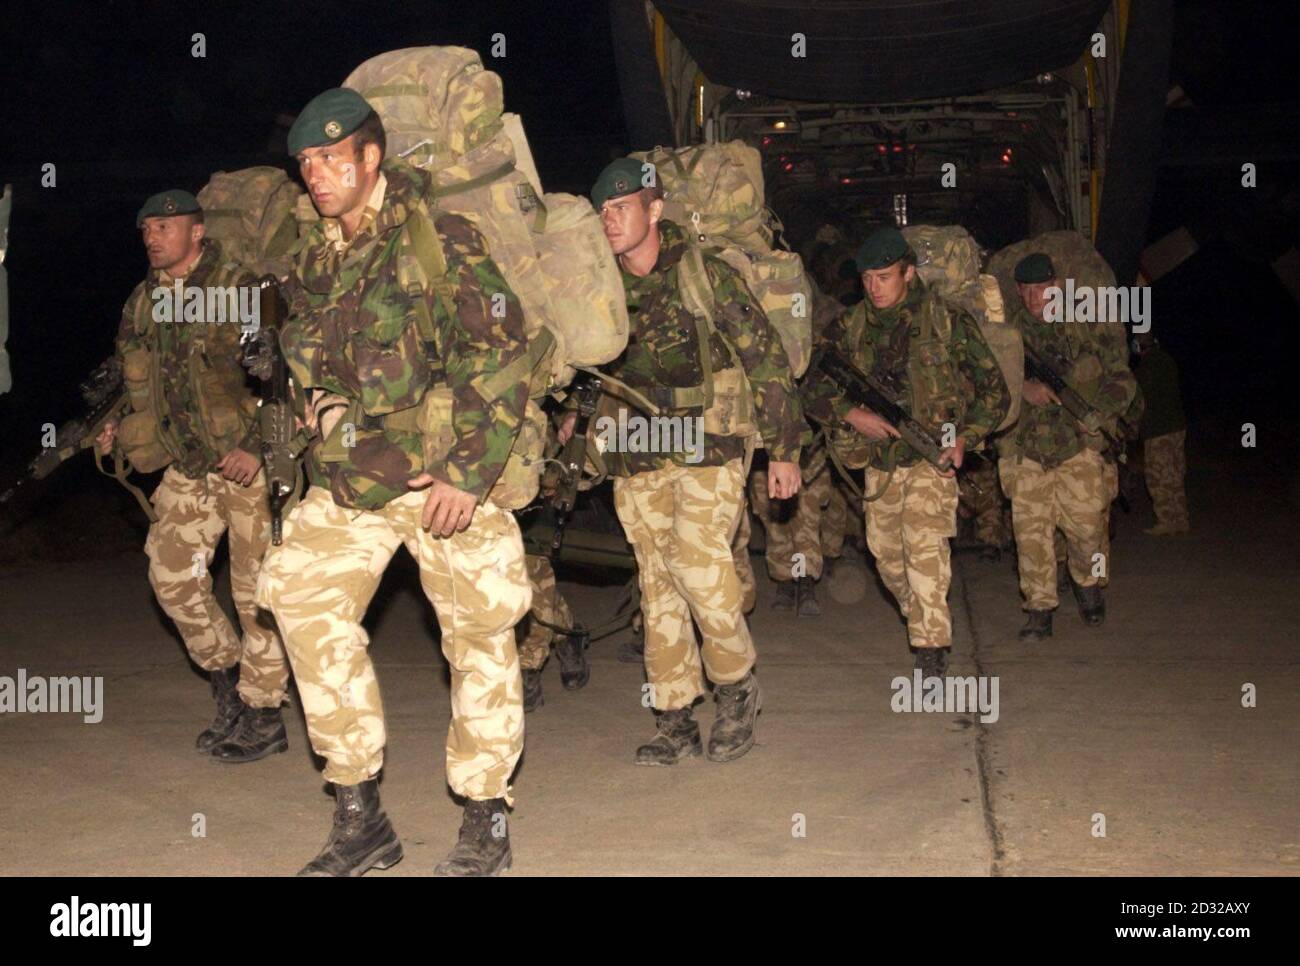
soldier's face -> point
(336, 176)
(886, 287)
(1035, 296)
(627, 221)
(172, 241)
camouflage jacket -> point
(403, 308)
(1096, 367)
(184, 370)
(946, 379)
(663, 351)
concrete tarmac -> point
(1136, 730)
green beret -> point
(1035, 268)
(883, 247)
(167, 203)
(328, 117)
(621, 177)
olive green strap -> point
(520, 369)
(484, 179)
(395, 90)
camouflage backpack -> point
(442, 112)
(715, 192)
(948, 261)
(251, 212)
(1073, 257)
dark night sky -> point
(110, 93)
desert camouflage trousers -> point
(1110, 482)
(549, 605)
(978, 489)
(1165, 465)
(793, 526)
(740, 557)
(319, 583)
(908, 529)
(192, 516)
(1074, 497)
(838, 521)
(680, 521)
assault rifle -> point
(572, 458)
(883, 398)
(106, 400)
(1047, 369)
(281, 443)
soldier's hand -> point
(565, 432)
(783, 480)
(447, 510)
(1039, 393)
(954, 455)
(106, 437)
(870, 424)
(240, 466)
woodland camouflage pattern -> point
(962, 382)
(363, 338)
(663, 351)
(187, 375)
(1098, 371)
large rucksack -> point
(252, 213)
(442, 112)
(715, 193)
(948, 261)
(1072, 256)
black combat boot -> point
(932, 662)
(229, 709)
(483, 848)
(787, 596)
(532, 690)
(807, 595)
(733, 727)
(571, 652)
(260, 733)
(1038, 626)
(362, 837)
(678, 737)
(1091, 606)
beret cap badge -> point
(333, 129)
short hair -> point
(654, 193)
(197, 216)
(370, 131)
